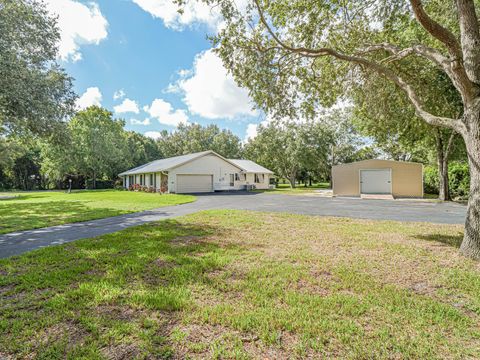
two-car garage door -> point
(194, 183)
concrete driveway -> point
(404, 210)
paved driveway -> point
(448, 213)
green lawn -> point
(30, 210)
(233, 284)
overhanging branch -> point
(455, 124)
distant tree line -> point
(94, 147)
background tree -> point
(291, 148)
(189, 138)
(141, 149)
(294, 56)
(36, 95)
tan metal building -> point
(398, 178)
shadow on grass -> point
(131, 282)
(450, 240)
(23, 216)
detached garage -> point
(382, 177)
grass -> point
(30, 210)
(236, 284)
(298, 190)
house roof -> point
(250, 166)
(173, 162)
(164, 164)
(377, 161)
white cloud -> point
(251, 132)
(140, 122)
(194, 12)
(211, 92)
(119, 94)
(92, 96)
(165, 114)
(79, 24)
(127, 106)
(153, 134)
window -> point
(240, 177)
(259, 178)
(232, 180)
(141, 179)
(151, 180)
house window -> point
(232, 178)
(259, 178)
(151, 180)
(240, 177)
(141, 179)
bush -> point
(458, 179)
(430, 179)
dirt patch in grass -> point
(187, 240)
(121, 352)
(118, 312)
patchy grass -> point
(30, 210)
(236, 284)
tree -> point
(141, 149)
(289, 148)
(35, 93)
(296, 55)
(189, 138)
(98, 146)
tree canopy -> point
(36, 94)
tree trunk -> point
(291, 179)
(442, 161)
(94, 182)
(471, 240)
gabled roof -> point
(165, 164)
(173, 162)
(250, 166)
(377, 161)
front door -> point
(376, 181)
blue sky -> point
(150, 65)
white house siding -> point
(262, 185)
(207, 165)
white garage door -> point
(194, 183)
(376, 181)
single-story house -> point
(204, 171)
(397, 178)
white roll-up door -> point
(194, 183)
(376, 181)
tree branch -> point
(376, 67)
(457, 74)
(470, 38)
(436, 30)
(449, 147)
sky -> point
(150, 65)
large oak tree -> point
(296, 56)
